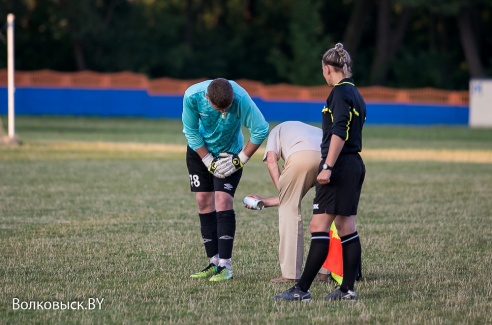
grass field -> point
(100, 208)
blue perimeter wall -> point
(138, 103)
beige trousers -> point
(299, 175)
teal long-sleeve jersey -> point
(203, 125)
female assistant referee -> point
(340, 178)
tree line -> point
(394, 43)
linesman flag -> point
(334, 260)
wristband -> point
(242, 156)
(207, 160)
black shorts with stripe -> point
(341, 196)
(202, 181)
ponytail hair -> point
(340, 59)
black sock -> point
(226, 229)
(359, 273)
(208, 227)
(351, 252)
(318, 250)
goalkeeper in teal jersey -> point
(214, 112)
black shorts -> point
(341, 196)
(201, 180)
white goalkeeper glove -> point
(211, 163)
(228, 163)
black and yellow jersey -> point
(343, 115)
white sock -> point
(215, 259)
(225, 262)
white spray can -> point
(253, 203)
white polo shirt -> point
(293, 136)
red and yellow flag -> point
(334, 260)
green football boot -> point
(222, 274)
(207, 272)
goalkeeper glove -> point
(228, 164)
(211, 163)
